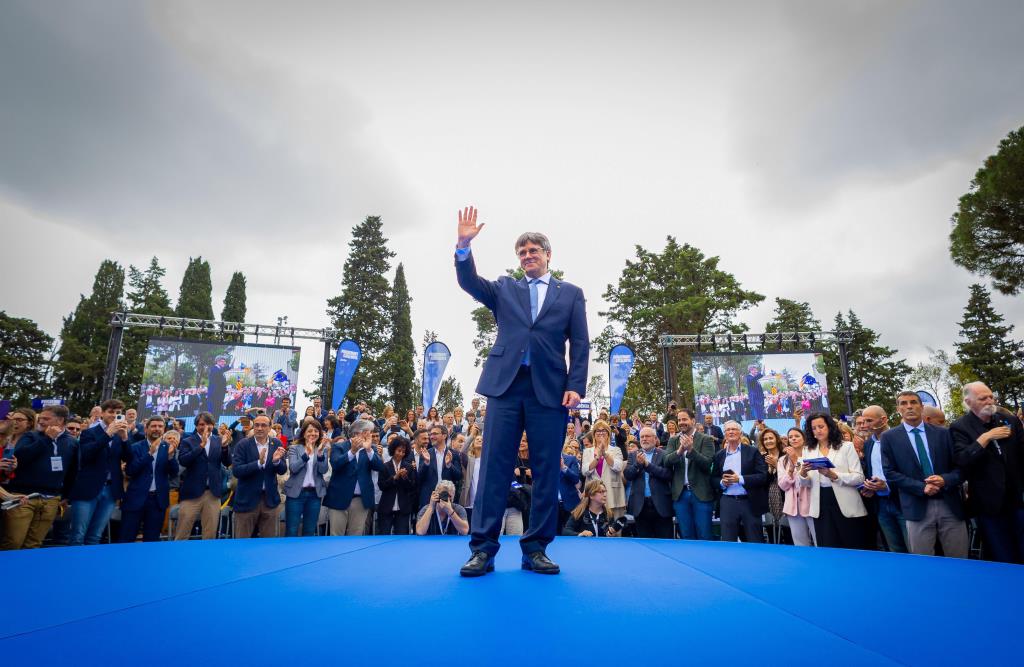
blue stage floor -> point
(399, 600)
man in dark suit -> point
(98, 481)
(256, 463)
(528, 387)
(714, 431)
(350, 495)
(918, 460)
(152, 465)
(201, 454)
(881, 501)
(989, 446)
(689, 456)
(740, 475)
(439, 462)
(650, 500)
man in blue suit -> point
(152, 465)
(98, 482)
(528, 386)
(202, 455)
(918, 460)
(256, 463)
(350, 495)
(439, 462)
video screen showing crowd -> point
(183, 378)
(768, 387)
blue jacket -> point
(346, 472)
(661, 484)
(202, 472)
(567, 481)
(35, 473)
(426, 475)
(562, 318)
(253, 480)
(140, 474)
(903, 471)
(98, 456)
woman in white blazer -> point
(840, 515)
(603, 461)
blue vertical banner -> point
(620, 364)
(435, 361)
(345, 364)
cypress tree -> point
(234, 304)
(401, 354)
(195, 297)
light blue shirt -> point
(876, 465)
(734, 462)
(649, 453)
(913, 442)
(352, 457)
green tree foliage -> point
(401, 353)
(791, 316)
(487, 327)
(988, 226)
(146, 295)
(85, 335)
(362, 311)
(941, 376)
(987, 348)
(875, 377)
(234, 304)
(676, 291)
(449, 395)
(24, 349)
(195, 297)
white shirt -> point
(474, 463)
(308, 481)
(352, 457)
(260, 448)
(152, 484)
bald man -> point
(881, 501)
(934, 416)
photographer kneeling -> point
(440, 516)
(590, 518)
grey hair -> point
(734, 423)
(446, 485)
(968, 389)
(533, 237)
(649, 428)
(361, 426)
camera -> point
(444, 496)
(617, 525)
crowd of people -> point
(918, 487)
(190, 401)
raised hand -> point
(279, 454)
(468, 229)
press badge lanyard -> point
(444, 531)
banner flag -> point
(435, 361)
(620, 363)
(345, 364)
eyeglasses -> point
(602, 432)
(531, 252)
(18, 418)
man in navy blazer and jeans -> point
(153, 464)
(98, 482)
(201, 454)
(918, 460)
(528, 386)
(256, 463)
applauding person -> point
(350, 495)
(307, 465)
(397, 482)
(604, 462)
(256, 463)
(689, 455)
(797, 504)
(153, 464)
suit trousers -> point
(802, 530)
(736, 514)
(389, 521)
(507, 416)
(1002, 536)
(651, 524)
(351, 521)
(263, 517)
(939, 521)
(150, 517)
(206, 508)
(26, 526)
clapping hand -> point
(263, 456)
(772, 460)
(641, 458)
(448, 458)
(468, 229)
(279, 454)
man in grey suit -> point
(649, 500)
(689, 456)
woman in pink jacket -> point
(798, 491)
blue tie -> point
(533, 314)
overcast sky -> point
(818, 148)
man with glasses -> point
(202, 454)
(256, 463)
(438, 463)
(528, 387)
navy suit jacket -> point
(140, 473)
(202, 472)
(755, 476)
(405, 489)
(661, 480)
(252, 481)
(345, 474)
(894, 492)
(562, 317)
(96, 456)
(567, 481)
(903, 470)
(427, 474)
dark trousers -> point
(736, 514)
(507, 416)
(1003, 536)
(832, 529)
(151, 516)
(388, 521)
(651, 524)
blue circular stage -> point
(399, 600)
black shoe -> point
(478, 565)
(540, 563)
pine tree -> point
(401, 353)
(234, 304)
(85, 335)
(146, 296)
(987, 348)
(449, 395)
(875, 377)
(791, 316)
(362, 310)
(24, 349)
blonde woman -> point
(591, 517)
(604, 461)
(472, 472)
(568, 480)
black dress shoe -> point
(540, 563)
(478, 565)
